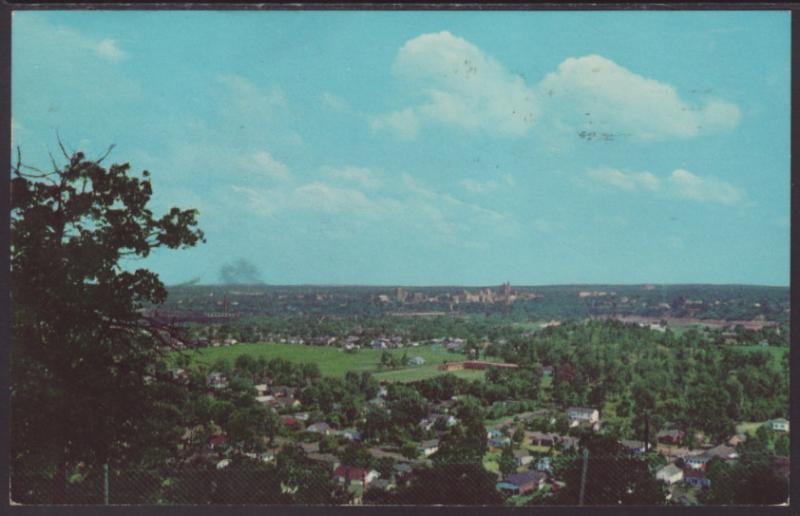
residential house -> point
(380, 453)
(537, 438)
(301, 416)
(696, 478)
(636, 447)
(429, 447)
(522, 483)
(319, 428)
(779, 425)
(494, 433)
(670, 474)
(287, 403)
(354, 476)
(309, 447)
(216, 442)
(290, 422)
(266, 456)
(328, 459)
(266, 399)
(567, 441)
(217, 380)
(349, 434)
(499, 442)
(523, 457)
(544, 464)
(382, 484)
(261, 388)
(723, 452)
(671, 436)
(697, 461)
(577, 415)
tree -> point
(507, 461)
(82, 354)
(450, 484)
(613, 476)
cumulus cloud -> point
(680, 184)
(108, 49)
(404, 123)
(629, 181)
(264, 163)
(351, 205)
(459, 85)
(596, 95)
(705, 189)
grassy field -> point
(748, 427)
(335, 362)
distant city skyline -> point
(433, 148)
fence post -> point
(105, 484)
(583, 474)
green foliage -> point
(83, 360)
(450, 484)
(507, 462)
(613, 476)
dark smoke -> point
(240, 272)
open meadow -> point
(335, 362)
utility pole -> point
(105, 484)
(583, 475)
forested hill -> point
(707, 302)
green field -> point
(776, 351)
(335, 362)
(748, 427)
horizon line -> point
(398, 285)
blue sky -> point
(434, 147)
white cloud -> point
(461, 86)
(263, 163)
(244, 97)
(597, 96)
(593, 96)
(406, 204)
(704, 189)
(404, 123)
(108, 49)
(628, 181)
(680, 184)
(318, 196)
(478, 186)
(361, 176)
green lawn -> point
(748, 427)
(335, 362)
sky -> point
(433, 148)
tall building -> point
(400, 294)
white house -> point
(429, 447)
(670, 474)
(577, 415)
(780, 424)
